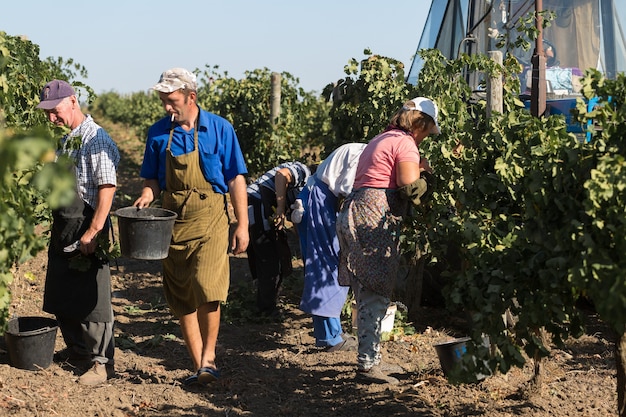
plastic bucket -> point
(388, 321)
(30, 342)
(450, 353)
(145, 233)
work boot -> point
(98, 374)
(348, 344)
(390, 368)
(375, 375)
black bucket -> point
(145, 233)
(450, 353)
(30, 342)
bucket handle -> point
(35, 332)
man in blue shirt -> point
(193, 158)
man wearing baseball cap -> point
(81, 299)
(192, 159)
(176, 79)
(54, 93)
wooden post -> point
(275, 98)
(538, 87)
(494, 86)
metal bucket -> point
(145, 233)
(30, 342)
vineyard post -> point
(494, 86)
(538, 86)
(275, 98)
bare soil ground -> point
(271, 367)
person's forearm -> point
(106, 193)
(149, 193)
(239, 199)
(281, 183)
(101, 212)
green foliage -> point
(495, 201)
(537, 215)
(601, 269)
(365, 100)
(22, 76)
(246, 103)
(520, 40)
(138, 110)
(30, 185)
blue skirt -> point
(322, 295)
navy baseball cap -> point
(53, 93)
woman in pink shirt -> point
(370, 221)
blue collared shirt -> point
(221, 158)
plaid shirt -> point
(96, 158)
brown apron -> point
(196, 270)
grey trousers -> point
(372, 308)
(88, 338)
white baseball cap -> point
(427, 106)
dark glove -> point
(418, 190)
(431, 183)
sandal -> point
(191, 380)
(206, 375)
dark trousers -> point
(89, 339)
(269, 255)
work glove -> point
(419, 190)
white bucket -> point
(387, 323)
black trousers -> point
(269, 255)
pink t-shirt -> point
(378, 162)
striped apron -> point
(196, 270)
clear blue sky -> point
(125, 45)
